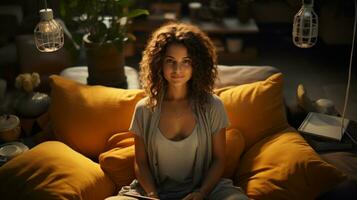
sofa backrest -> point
(242, 74)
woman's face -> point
(177, 65)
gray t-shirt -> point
(208, 122)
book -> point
(136, 195)
(312, 133)
(324, 126)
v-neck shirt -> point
(176, 161)
(209, 121)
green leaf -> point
(137, 12)
(131, 37)
(125, 2)
(93, 24)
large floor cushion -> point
(256, 109)
(85, 117)
(284, 166)
(52, 170)
(118, 159)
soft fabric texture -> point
(175, 160)
(118, 161)
(284, 166)
(240, 74)
(52, 170)
(234, 149)
(209, 121)
(225, 189)
(256, 109)
(84, 117)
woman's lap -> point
(225, 190)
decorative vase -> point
(30, 105)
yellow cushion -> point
(84, 117)
(284, 166)
(256, 109)
(118, 160)
(52, 170)
(234, 148)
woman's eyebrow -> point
(168, 56)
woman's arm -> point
(142, 170)
(216, 170)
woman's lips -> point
(177, 77)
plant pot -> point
(10, 129)
(105, 64)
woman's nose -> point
(177, 67)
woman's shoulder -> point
(214, 100)
(142, 105)
(214, 103)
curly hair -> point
(201, 51)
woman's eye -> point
(169, 61)
(187, 62)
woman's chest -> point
(176, 127)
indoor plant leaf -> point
(137, 13)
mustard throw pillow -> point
(256, 109)
(284, 166)
(52, 170)
(234, 148)
(118, 160)
(84, 117)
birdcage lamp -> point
(48, 32)
(305, 28)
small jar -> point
(9, 128)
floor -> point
(323, 69)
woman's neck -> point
(176, 93)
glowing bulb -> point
(48, 33)
(305, 28)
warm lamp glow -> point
(305, 28)
(48, 33)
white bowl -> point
(12, 149)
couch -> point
(89, 153)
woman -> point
(180, 126)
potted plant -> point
(103, 25)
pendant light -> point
(305, 27)
(48, 33)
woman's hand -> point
(194, 196)
(153, 195)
